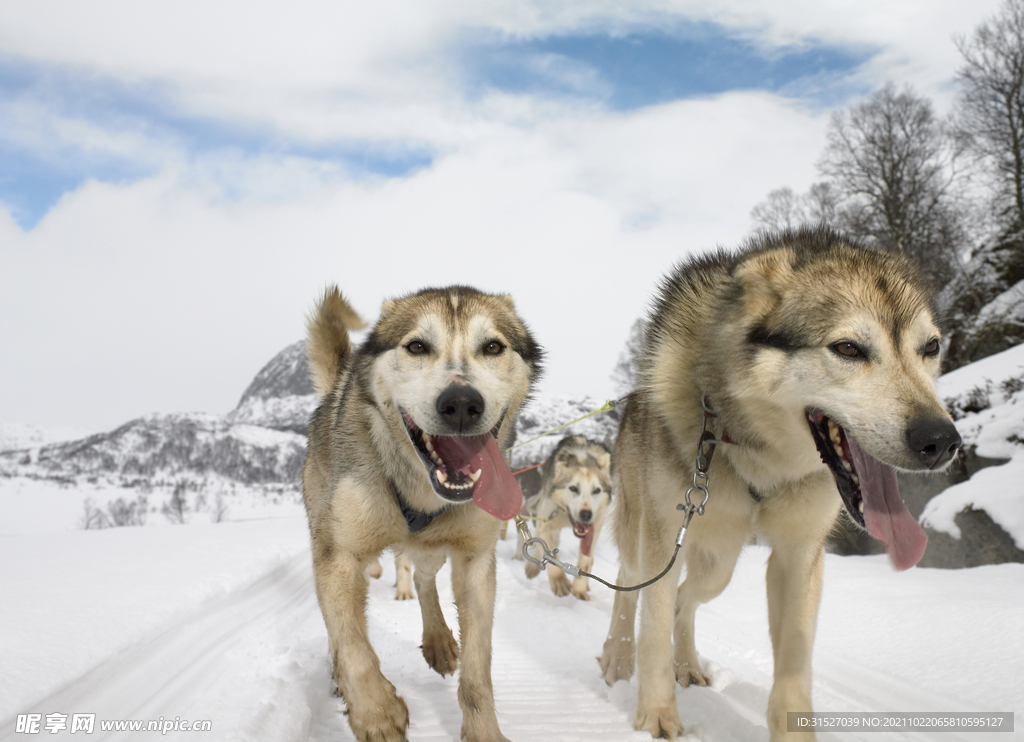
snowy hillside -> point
(161, 449)
(987, 400)
(262, 441)
(281, 396)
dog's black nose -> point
(460, 406)
(933, 441)
(586, 516)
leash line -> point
(705, 450)
(527, 468)
(611, 404)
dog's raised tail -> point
(328, 345)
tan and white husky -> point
(813, 362)
(405, 450)
(575, 492)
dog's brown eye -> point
(597, 491)
(494, 348)
(417, 348)
(574, 489)
(848, 350)
(932, 348)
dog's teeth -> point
(839, 450)
(427, 442)
(442, 476)
(856, 480)
(861, 507)
(847, 465)
(475, 475)
(833, 432)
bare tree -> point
(893, 164)
(625, 374)
(118, 513)
(176, 508)
(93, 517)
(989, 121)
(821, 203)
(220, 509)
(783, 209)
(989, 112)
(130, 513)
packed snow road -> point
(220, 624)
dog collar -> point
(417, 520)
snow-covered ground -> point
(219, 622)
(988, 399)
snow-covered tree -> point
(624, 375)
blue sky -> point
(34, 177)
(179, 180)
(625, 71)
(619, 71)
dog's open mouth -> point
(870, 491)
(584, 532)
(463, 467)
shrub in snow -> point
(175, 508)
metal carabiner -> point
(548, 558)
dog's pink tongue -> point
(885, 515)
(497, 491)
(587, 542)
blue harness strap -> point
(417, 520)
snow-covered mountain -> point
(281, 396)
(162, 449)
(262, 441)
(258, 448)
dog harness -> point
(417, 520)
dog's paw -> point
(691, 674)
(559, 583)
(375, 570)
(532, 570)
(441, 652)
(491, 735)
(385, 721)
(617, 661)
(581, 592)
(404, 593)
(660, 723)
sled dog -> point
(403, 575)
(405, 450)
(813, 362)
(575, 491)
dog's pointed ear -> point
(387, 307)
(604, 460)
(762, 276)
(560, 467)
(506, 299)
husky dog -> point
(403, 575)
(813, 362)
(575, 491)
(405, 450)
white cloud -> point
(170, 293)
(331, 70)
